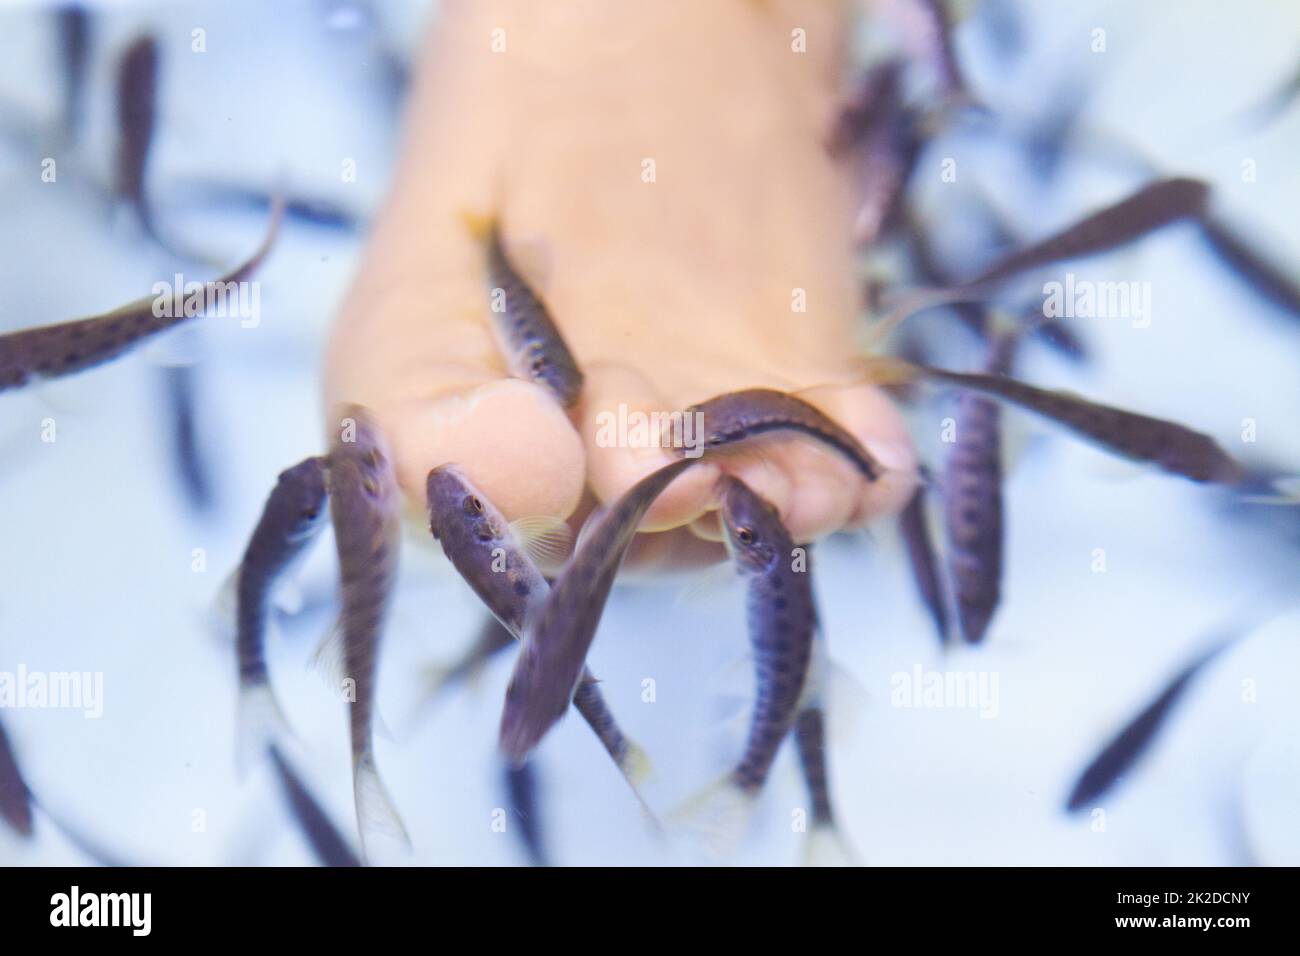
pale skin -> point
(668, 291)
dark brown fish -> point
(551, 661)
(49, 351)
(914, 526)
(488, 554)
(74, 44)
(1173, 447)
(137, 95)
(972, 497)
(749, 413)
(326, 841)
(1151, 207)
(15, 798)
(528, 337)
(521, 790)
(184, 435)
(1128, 746)
(1264, 277)
(292, 518)
(810, 740)
(365, 506)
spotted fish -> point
(782, 632)
(972, 499)
(49, 351)
(528, 337)
(915, 530)
(1173, 447)
(487, 552)
(365, 508)
(737, 416)
(292, 517)
(551, 662)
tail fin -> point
(636, 767)
(826, 846)
(261, 723)
(376, 814)
(717, 817)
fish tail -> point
(827, 846)
(261, 723)
(635, 764)
(376, 813)
(888, 370)
(717, 817)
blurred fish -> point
(15, 798)
(491, 640)
(493, 556)
(1151, 207)
(292, 517)
(782, 629)
(528, 337)
(736, 416)
(521, 791)
(972, 497)
(317, 211)
(137, 95)
(915, 529)
(883, 136)
(74, 48)
(1173, 447)
(551, 662)
(1282, 98)
(326, 841)
(365, 507)
(1250, 265)
(49, 351)
(939, 39)
(1128, 746)
(826, 845)
(187, 449)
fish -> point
(521, 791)
(915, 530)
(292, 519)
(939, 25)
(883, 138)
(326, 841)
(365, 508)
(972, 499)
(736, 416)
(51, 351)
(491, 640)
(1174, 448)
(551, 662)
(191, 463)
(137, 95)
(826, 844)
(15, 798)
(782, 622)
(529, 340)
(1127, 747)
(74, 45)
(494, 558)
(1265, 278)
(1153, 206)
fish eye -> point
(538, 365)
(310, 514)
(473, 506)
(373, 458)
(744, 536)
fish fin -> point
(224, 610)
(261, 723)
(717, 817)
(636, 764)
(846, 699)
(479, 225)
(826, 846)
(547, 540)
(376, 813)
(327, 659)
(1288, 493)
(382, 730)
(705, 585)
